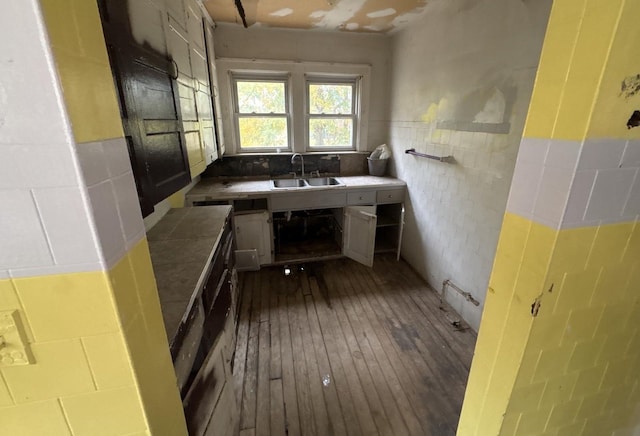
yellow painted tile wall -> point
(573, 365)
(77, 343)
(81, 57)
(101, 351)
(577, 373)
(517, 280)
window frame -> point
(297, 72)
(237, 115)
(354, 82)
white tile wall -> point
(116, 155)
(579, 198)
(601, 153)
(128, 209)
(581, 184)
(32, 166)
(50, 222)
(107, 222)
(605, 188)
(524, 188)
(454, 211)
(64, 216)
(632, 208)
(92, 163)
(552, 196)
(24, 242)
(609, 195)
(114, 200)
(631, 156)
(31, 110)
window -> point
(261, 113)
(271, 106)
(331, 114)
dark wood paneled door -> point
(150, 109)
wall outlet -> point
(14, 347)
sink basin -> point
(289, 183)
(323, 181)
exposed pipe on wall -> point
(447, 283)
(465, 294)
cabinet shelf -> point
(387, 221)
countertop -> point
(213, 189)
(182, 244)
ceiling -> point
(348, 15)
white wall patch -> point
(382, 13)
(282, 12)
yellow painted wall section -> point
(559, 343)
(82, 374)
(136, 294)
(518, 275)
(100, 350)
(579, 371)
(75, 33)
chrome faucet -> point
(301, 161)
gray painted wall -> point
(461, 73)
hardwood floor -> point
(336, 348)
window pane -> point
(331, 132)
(261, 97)
(330, 99)
(263, 132)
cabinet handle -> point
(359, 198)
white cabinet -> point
(370, 229)
(186, 46)
(359, 233)
(253, 232)
(213, 75)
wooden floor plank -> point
(302, 378)
(249, 280)
(327, 376)
(343, 369)
(275, 368)
(278, 427)
(368, 383)
(263, 408)
(345, 293)
(453, 373)
(292, 420)
(330, 359)
(409, 376)
(249, 391)
(323, 424)
(395, 364)
(375, 334)
(423, 383)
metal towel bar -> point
(447, 159)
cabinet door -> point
(213, 77)
(359, 233)
(147, 93)
(253, 232)
(400, 231)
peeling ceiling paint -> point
(282, 12)
(348, 15)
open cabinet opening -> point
(307, 234)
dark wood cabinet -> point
(150, 108)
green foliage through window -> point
(262, 113)
(331, 114)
